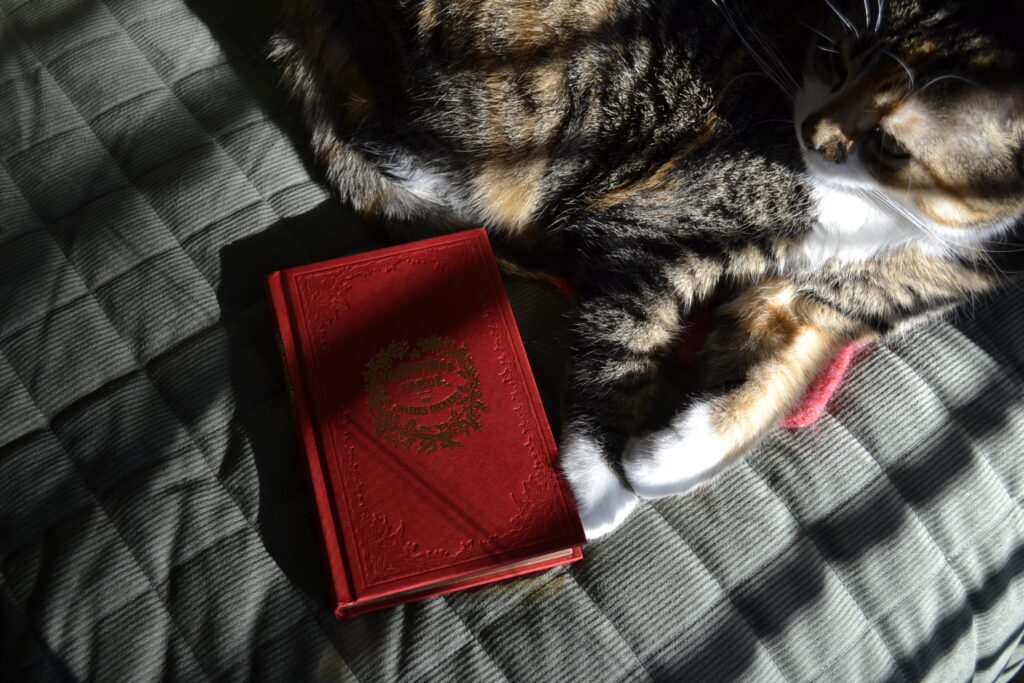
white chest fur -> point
(852, 228)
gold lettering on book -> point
(422, 396)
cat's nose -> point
(825, 136)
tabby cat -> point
(844, 168)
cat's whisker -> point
(777, 73)
(977, 249)
(949, 77)
(867, 16)
(755, 124)
(953, 246)
(770, 50)
(898, 60)
(901, 210)
(878, 17)
(745, 74)
(821, 34)
(827, 49)
(777, 64)
(843, 18)
(1004, 243)
(905, 213)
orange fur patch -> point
(521, 28)
(509, 193)
(954, 211)
(923, 50)
(788, 341)
(950, 205)
(769, 317)
(660, 179)
(774, 386)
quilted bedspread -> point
(154, 518)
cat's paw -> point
(603, 502)
(675, 459)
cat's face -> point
(919, 107)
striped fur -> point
(667, 152)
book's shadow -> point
(262, 451)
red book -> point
(432, 463)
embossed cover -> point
(431, 459)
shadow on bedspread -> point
(790, 586)
(795, 583)
(230, 367)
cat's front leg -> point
(769, 345)
(622, 325)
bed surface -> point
(154, 520)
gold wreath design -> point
(465, 411)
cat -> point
(844, 169)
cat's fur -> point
(874, 188)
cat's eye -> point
(888, 147)
(893, 148)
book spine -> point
(347, 612)
(329, 532)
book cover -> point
(432, 463)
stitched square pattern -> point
(154, 517)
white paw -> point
(603, 502)
(677, 458)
